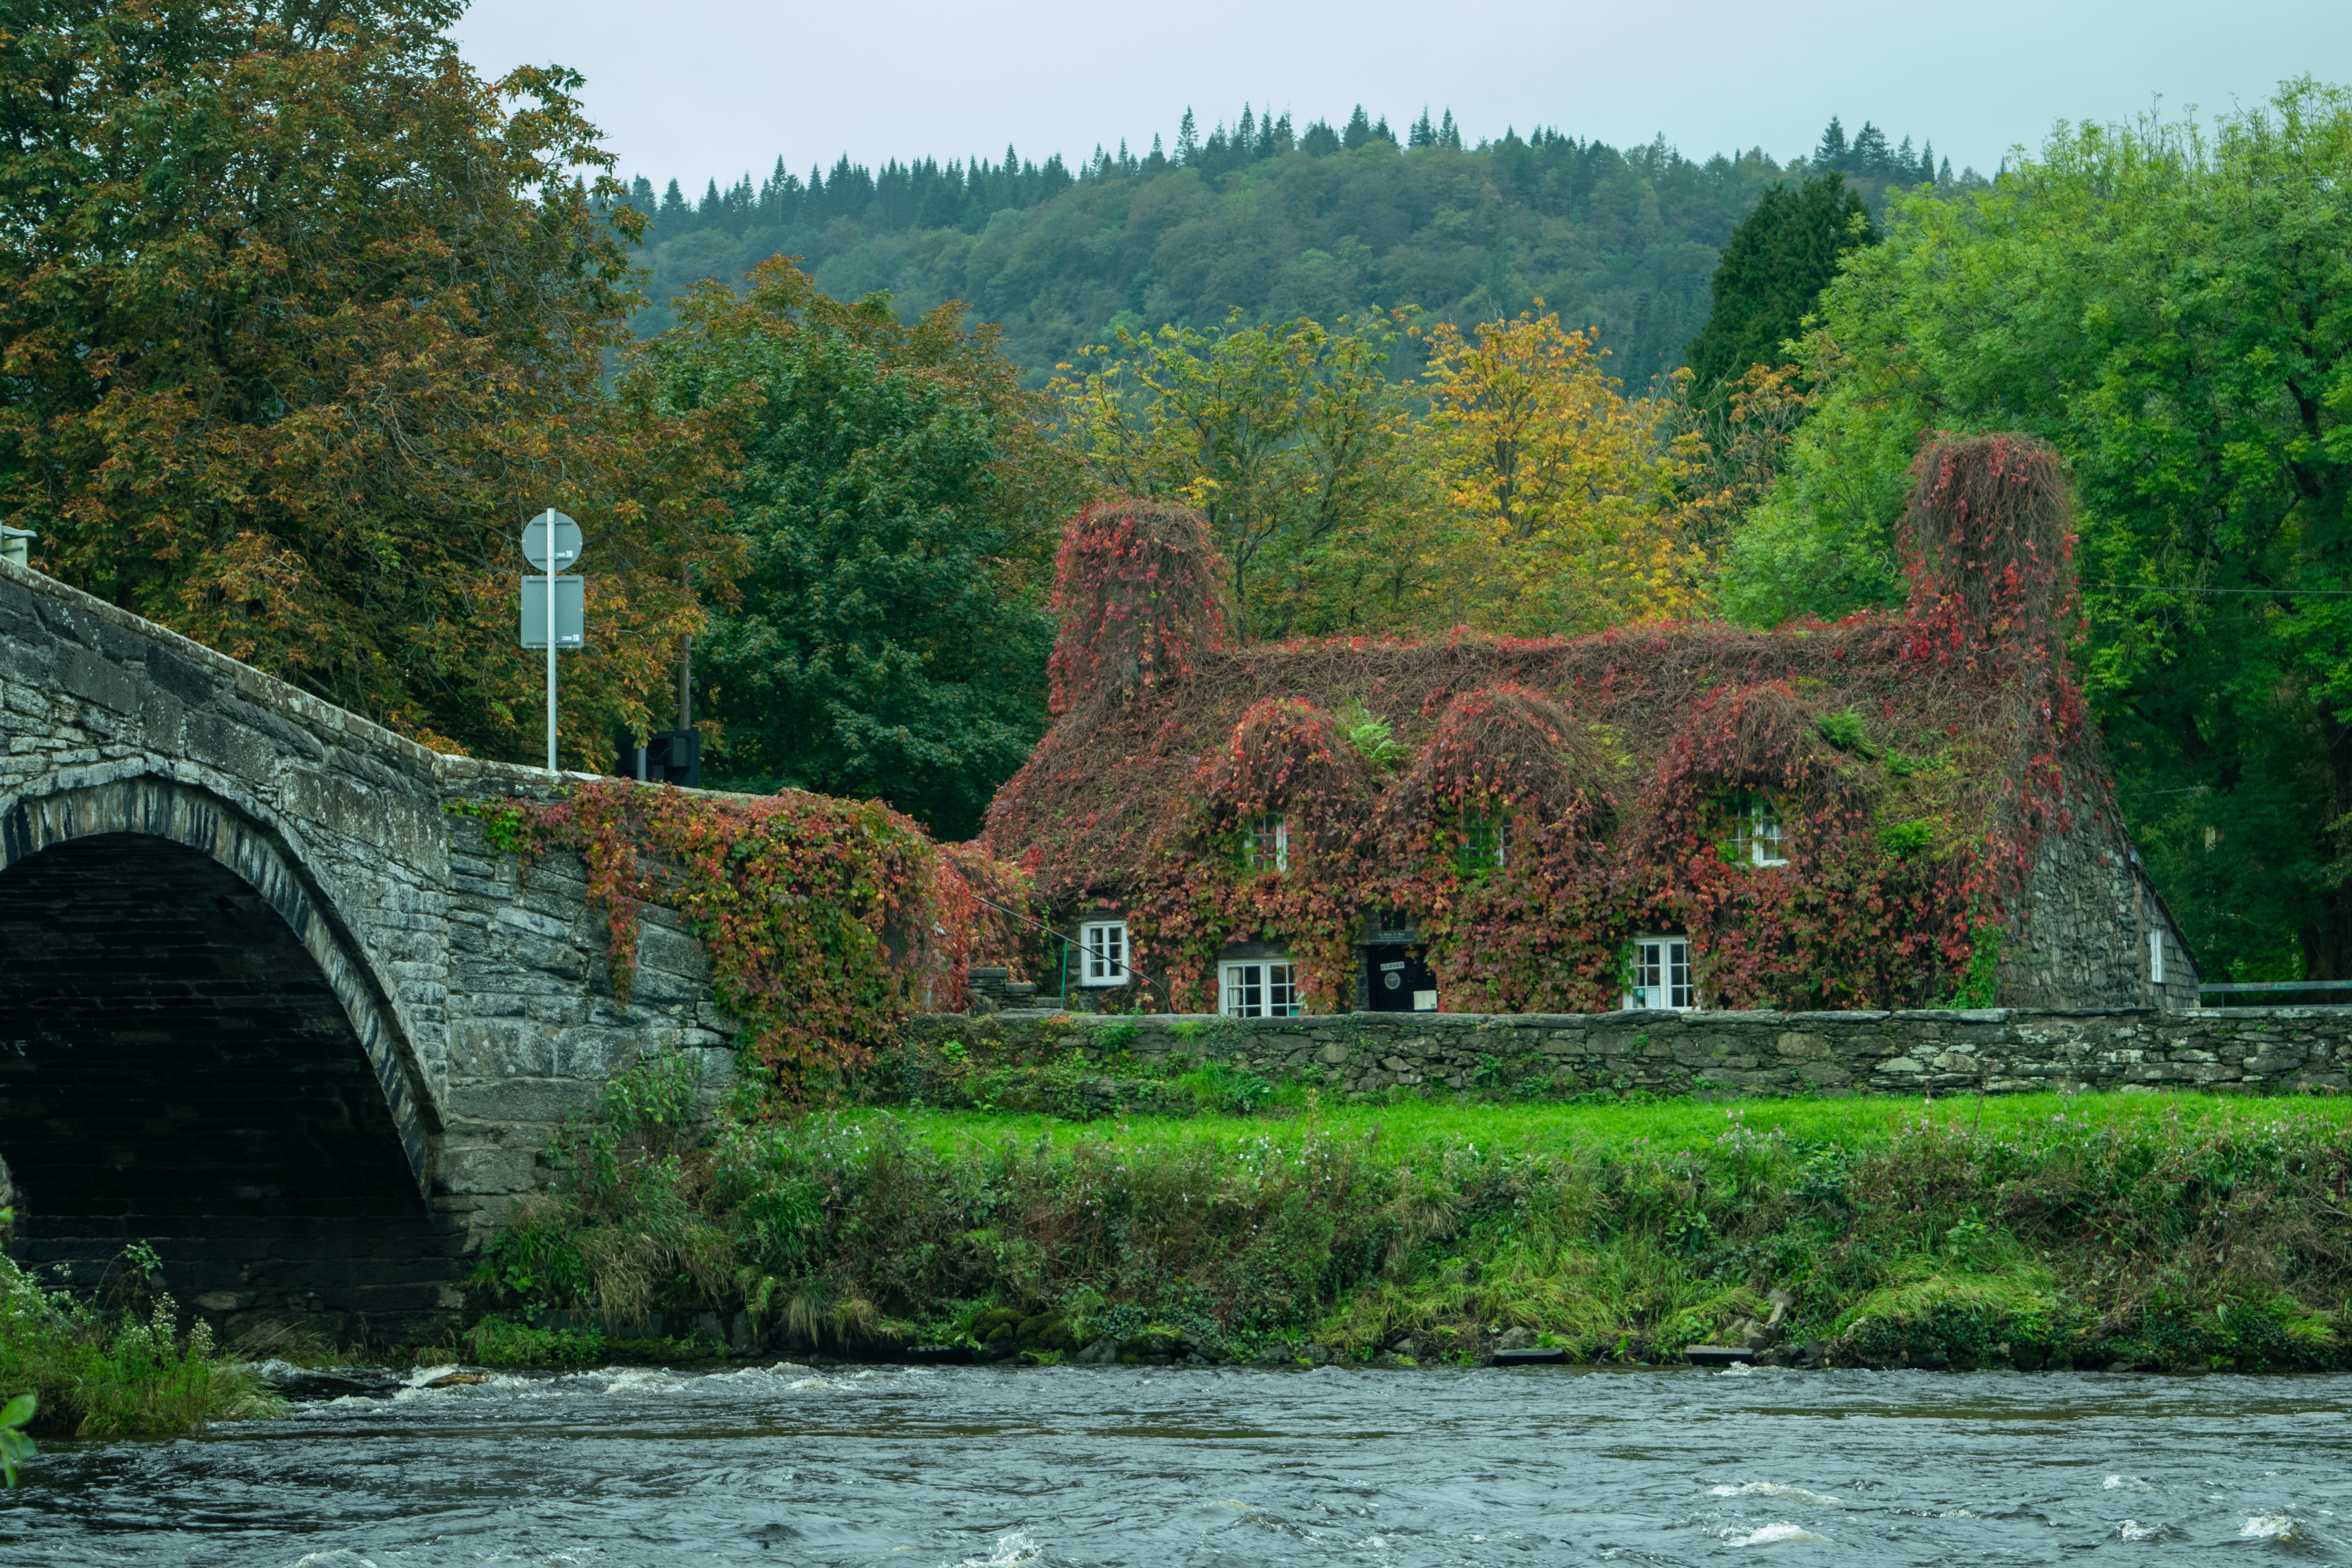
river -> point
(994, 1468)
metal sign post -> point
(548, 520)
(552, 541)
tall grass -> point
(115, 1374)
(2166, 1230)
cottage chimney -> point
(1988, 543)
(1136, 588)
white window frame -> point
(1103, 953)
(1662, 964)
(2155, 956)
(1254, 846)
(1500, 821)
(1258, 988)
(1761, 834)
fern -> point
(1370, 737)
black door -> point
(1398, 981)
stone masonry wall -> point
(477, 994)
(1096, 1065)
(2083, 928)
(534, 1028)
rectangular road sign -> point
(571, 612)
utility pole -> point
(686, 659)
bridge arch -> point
(197, 1053)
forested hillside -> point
(1279, 223)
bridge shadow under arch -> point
(177, 1066)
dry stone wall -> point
(1097, 1065)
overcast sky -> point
(696, 88)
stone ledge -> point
(1095, 1062)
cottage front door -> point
(1399, 980)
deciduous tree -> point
(2172, 308)
(1566, 486)
(900, 504)
(1294, 443)
(299, 319)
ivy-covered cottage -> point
(1901, 810)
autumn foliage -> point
(1988, 569)
(827, 922)
(300, 319)
(1513, 487)
(1136, 587)
(1531, 804)
(1510, 750)
(1568, 488)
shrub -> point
(2050, 1229)
(96, 1372)
(494, 1342)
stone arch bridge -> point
(264, 1003)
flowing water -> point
(993, 1468)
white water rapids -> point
(993, 1468)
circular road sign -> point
(569, 543)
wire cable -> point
(2274, 593)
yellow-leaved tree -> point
(1566, 489)
(1303, 456)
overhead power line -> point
(2166, 588)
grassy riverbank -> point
(123, 1372)
(1624, 1127)
(2164, 1230)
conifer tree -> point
(1870, 158)
(1832, 153)
(1773, 268)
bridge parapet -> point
(472, 994)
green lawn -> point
(1658, 1127)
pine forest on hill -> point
(1275, 223)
